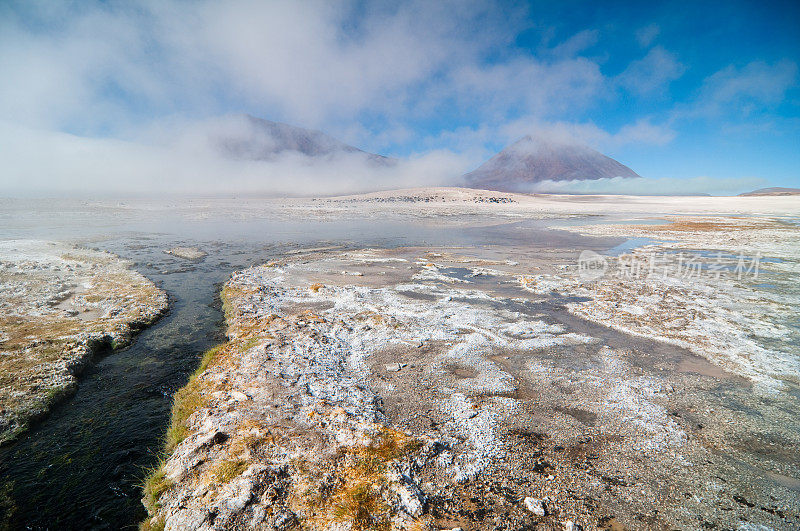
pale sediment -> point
(60, 305)
(428, 389)
(724, 287)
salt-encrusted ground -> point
(484, 389)
(58, 306)
(724, 287)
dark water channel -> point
(81, 466)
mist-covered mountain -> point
(772, 191)
(531, 160)
(244, 137)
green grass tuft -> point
(153, 524)
(154, 486)
(186, 401)
(363, 507)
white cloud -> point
(646, 35)
(576, 44)
(529, 85)
(120, 70)
(45, 162)
(652, 73)
(753, 87)
(312, 63)
(306, 62)
(126, 71)
(641, 132)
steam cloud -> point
(88, 90)
(643, 186)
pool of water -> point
(81, 466)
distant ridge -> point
(532, 160)
(772, 191)
(246, 137)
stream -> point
(81, 467)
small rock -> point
(239, 396)
(394, 367)
(412, 499)
(535, 505)
(284, 520)
(240, 495)
(569, 525)
(187, 253)
(259, 513)
(212, 438)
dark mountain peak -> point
(536, 158)
(247, 137)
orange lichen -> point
(358, 495)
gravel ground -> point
(436, 388)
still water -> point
(81, 466)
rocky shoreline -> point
(441, 389)
(61, 306)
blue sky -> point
(678, 91)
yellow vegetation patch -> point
(153, 524)
(229, 295)
(20, 331)
(359, 495)
(361, 504)
(705, 226)
(225, 471)
(250, 435)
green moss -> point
(227, 308)
(188, 400)
(208, 358)
(7, 505)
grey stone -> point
(535, 505)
